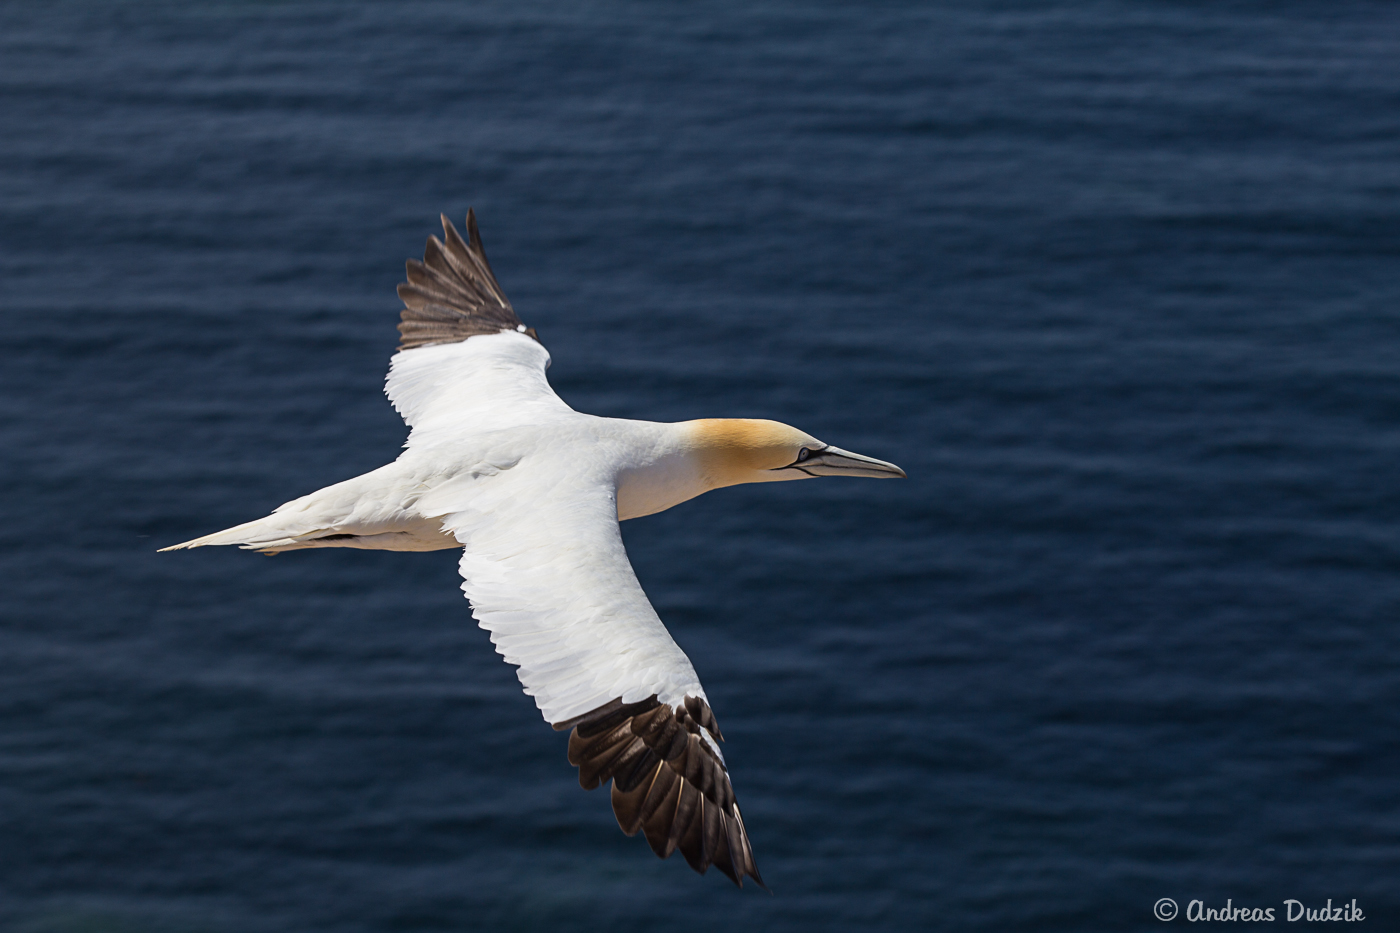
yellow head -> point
(746, 450)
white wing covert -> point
(487, 382)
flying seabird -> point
(532, 492)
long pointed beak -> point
(833, 461)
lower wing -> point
(547, 575)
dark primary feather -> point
(453, 294)
(667, 783)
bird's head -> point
(746, 450)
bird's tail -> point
(270, 535)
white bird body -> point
(532, 491)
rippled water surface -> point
(1116, 283)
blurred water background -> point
(1116, 282)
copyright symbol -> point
(1165, 909)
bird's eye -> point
(803, 454)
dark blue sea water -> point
(1116, 282)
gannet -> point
(532, 492)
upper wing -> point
(547, 575)
(440, 378)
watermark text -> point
(1291, 911)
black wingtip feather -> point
(454, 275)
(666, 782)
